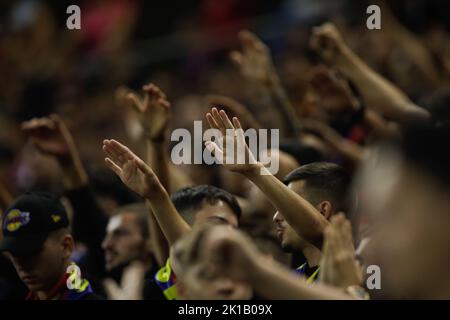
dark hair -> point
(192, 198)
(324, 181)
(141, 212)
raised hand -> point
(153, 111)
(339, 266)
(233, 151)
(335, 95)
(131, 169)
(328, 43)
(228, 252)
(131, 285)
(51, 136)
(254, 62)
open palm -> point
(233, 153)
(130, 168)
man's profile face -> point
(42, 271)
(123, 241)
(290, 240)
(216, 212)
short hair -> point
(189, 199)
(324, 181)
(141, 212)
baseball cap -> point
(30, 219)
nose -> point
(226, 287)
(107, 242)
(278, 218)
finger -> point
(113, 154)
(225, 120)
(38, 123)
(114, 167)
(215, 151)
(158, 92)
(236, 123)
(110, 154)
(133, 275)
(122, 150)
(347, 235)
(211, 121)
(248, 40)
(215, 114)
(135, 102)
(62, 127)
(237, 58)
(164, 103)
(325, 261)
(337, 233)
(239, 132)
(332, 243)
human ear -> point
(326, 209)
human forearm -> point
(298, 212)
(285, 108)
(377, 92)
(158, 240)
(169, 220)
(74, 173)
(158, 160)
(275, 282)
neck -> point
(312, 255)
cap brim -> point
(23, 245)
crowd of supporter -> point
(93, 206)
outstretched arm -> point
(255, 64)
(300, 214)
(154, 115)
(140, 178)
(377, 92)
(51, 136)
(350, 150)
(233, 254)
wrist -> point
(157, 138)
(156, 193)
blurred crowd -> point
(93, 207)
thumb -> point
(136, 101)
(141, 165)
(215, 151)
(113, 291)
